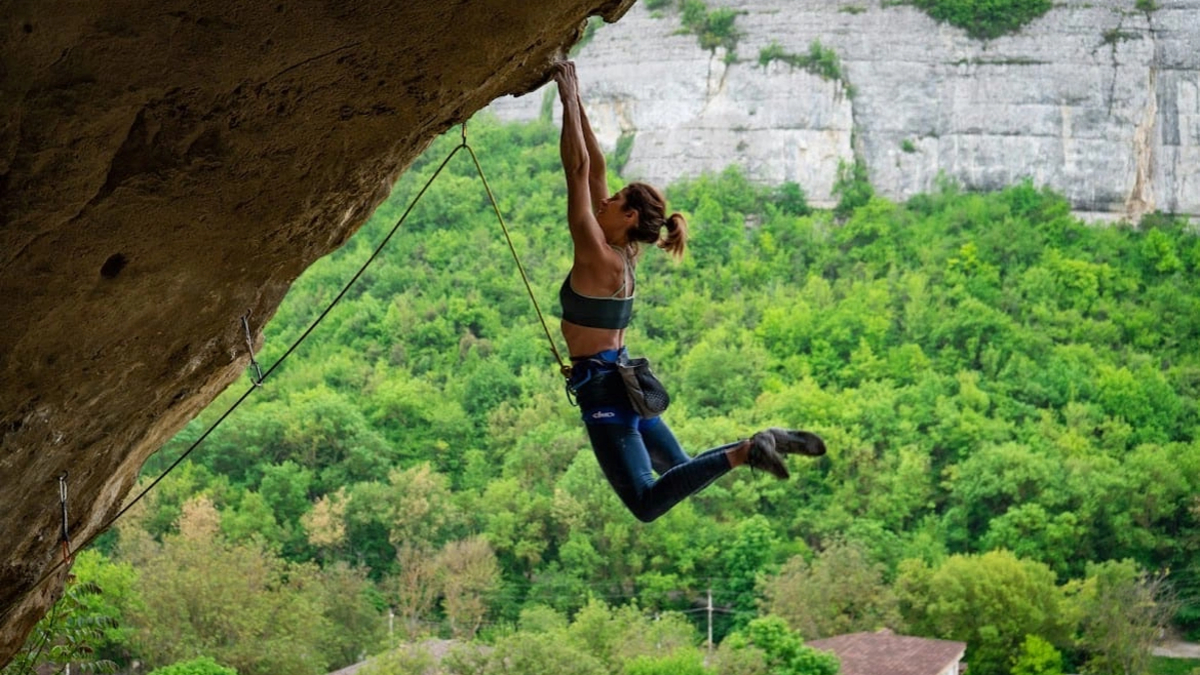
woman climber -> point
(597, 300)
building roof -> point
(885, 653)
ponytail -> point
(677, 234)
(652, 220)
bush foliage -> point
(985, 19)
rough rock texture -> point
(1095, 99)
(167, 166)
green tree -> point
(524, 654)
(993, 480)
(1030, 532)
(413, 590)
(324, 431)
(783, 651)
(752, 552)
(248, 515)
(368, 519)
(516, 521)
(71, 633)
(286, 488)
(791, 200)
(722, 372)
(617, 635)
(240, 604)
(990, 601)
(1037, 657)
(350, 603)
(1124, 611)
(416, 416)
(841, 591)
(470, 576)
(325, 524)
(117, 583)
(541, 619)
(852, 187)
(420, 508)
(406, 660)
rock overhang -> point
(167, 168)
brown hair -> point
(651, 208)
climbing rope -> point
(563, 367)
(261, 376)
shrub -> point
(714, 28)
(986, 19)
(689, 662)
(852, 188)
(70, 633)
(204, 665)
(790, 199)
(819, 60)
(408, 659)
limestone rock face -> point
(167, 167)
(1095, 99)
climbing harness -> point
(261, 376)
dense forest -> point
(1008, 394)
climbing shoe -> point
(764, 456)
(797, 442)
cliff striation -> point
(1098, 99)
(167, 167)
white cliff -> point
(1098, 100)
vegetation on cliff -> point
(985, 19)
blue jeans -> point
(631, 449)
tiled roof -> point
(885, 653)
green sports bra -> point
(612, 312)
